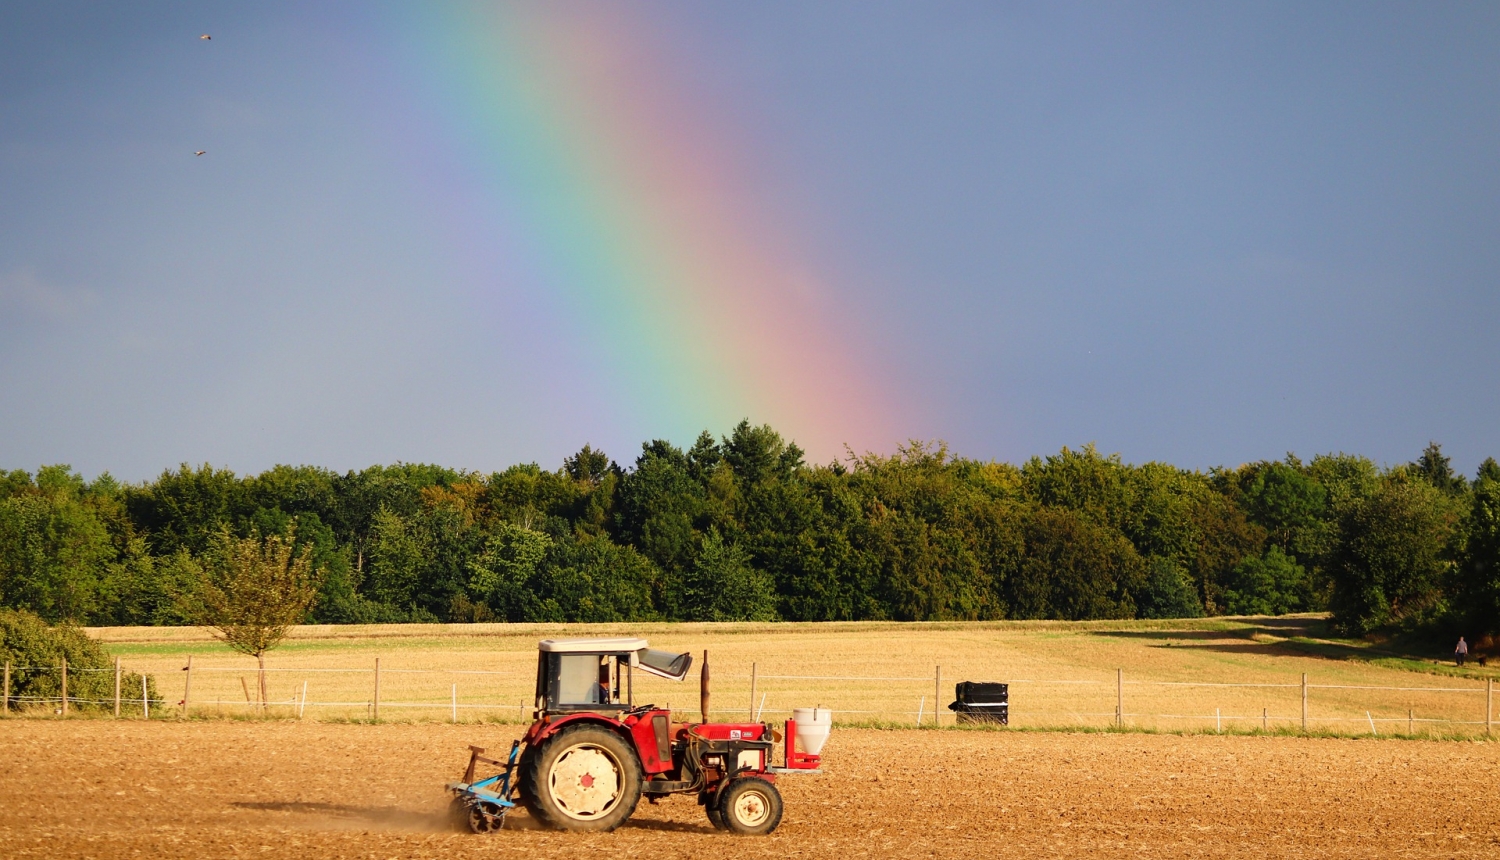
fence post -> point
(376, 712)
(117, 688)
(1120, 698)
(1489, 703)
(937, 696)
(145, 698)
(65, 686)
(752, 690)
(187, 685)
(5, 697)
(920, 705)
(1265, 719)
(1410, 729)
(302, 704)
(1304, 703)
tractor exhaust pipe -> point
(703, 687)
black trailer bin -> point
(982, 702)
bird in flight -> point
(200, 152)
(205, 36)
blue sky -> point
(1198, 233)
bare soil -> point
(104, 789)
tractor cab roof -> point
(618, 645)
(666, 664)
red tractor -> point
(591, 752)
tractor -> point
(591, 752)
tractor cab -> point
(598, 675)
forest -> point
(743, 528)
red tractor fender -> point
(541, 730)
(646, 733)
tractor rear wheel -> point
(584, 778)
(750, 805)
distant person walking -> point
(1460, 651)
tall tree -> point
(256, 590)
(55, 552)
(1392, 556)
(1477, 586)
(721, 586)
(1437, 470)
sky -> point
(486, 234)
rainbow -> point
(612, 190)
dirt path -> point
(98, 789)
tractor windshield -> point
(664, 663)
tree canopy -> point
(744, 528)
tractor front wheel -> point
(715, 817)
(750, 805)
(584, 778)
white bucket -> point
(813, 725)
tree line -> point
(743, 528)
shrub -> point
(35, 650)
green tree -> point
(1096, 487)
(1272, 584)
(1391, 558)
(1286, 502)
(1167, 592)
(721, 586)
(398, 553)
(592, 579)
(505, 575)
(55, 552)
(588, 466)
(256, 590)
(1075, 569)
(1489, 469)
(758, 453)
(1437, 470)
(1477, 585)
(658, 505)
(188, 508)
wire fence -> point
(506, 696)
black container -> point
(981, 693)
(982, 702)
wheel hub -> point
(585, 782)
(750, 809)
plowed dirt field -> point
(103, 789)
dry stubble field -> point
(1062, 674)
(104, 789)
